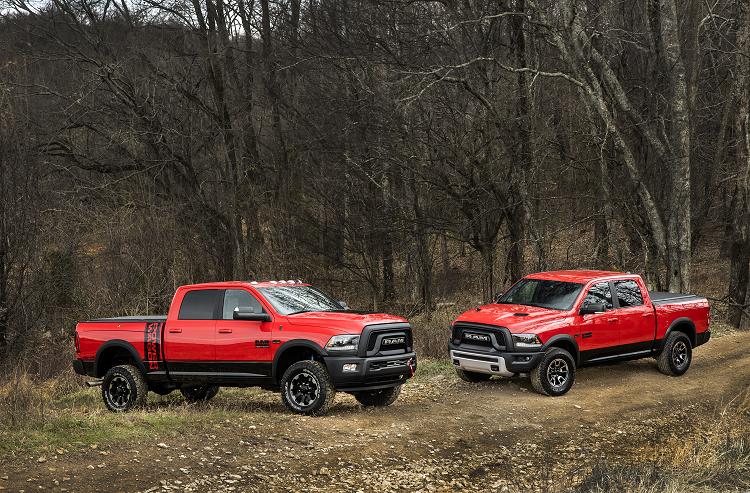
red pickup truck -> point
(279, 335)
(548, 324)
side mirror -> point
(592, 308)
(344, 305)
(250, 313)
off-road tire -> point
(316, 392)
(378, 398)
(677, 347)
(124, 388)
(472, 376)
(199, 393)
(555, 362)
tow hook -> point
(412, 366)
(93, 383)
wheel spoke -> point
(303, 389)
(557, 372)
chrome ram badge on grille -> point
(476, 337)
(394, 341)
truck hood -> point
(347, 322)
(517, 318)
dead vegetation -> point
(714, 457)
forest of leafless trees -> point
(398, 152)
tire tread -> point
(324, 378)
(538, 381)
(664, 360)
(141, 388)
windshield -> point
(288, 300)
(557, 295)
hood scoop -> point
(520, 314)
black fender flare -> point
(552, 341)
(292, 344)
(681, 321)
(119, 344)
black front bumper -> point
(371, 373)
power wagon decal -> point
(152, 345)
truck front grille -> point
(389, 341)
(479, 335)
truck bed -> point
(662, 297)
(134, 318)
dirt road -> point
(442, 434)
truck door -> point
(636, 319)
(189, 339)
(243, 347)
(598, 334)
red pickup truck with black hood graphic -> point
(279, 335)
(549, 323)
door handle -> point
(225, 331)
(612, 320)
(175, 331)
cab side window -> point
(628, 293)
(599, 293)
(235, 298)
(199, 304)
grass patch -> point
(714, 458)
(429, 367)
(87, 427)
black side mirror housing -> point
(250, 313)
(592, 308)
(344, 305)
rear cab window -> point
(199, 304)
(628, 293)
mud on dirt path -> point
(442, 434)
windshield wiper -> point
(527, 304)
(315, 310)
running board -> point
(618, 356)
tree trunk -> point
(519, 217)
(283, 177)
(739, 251)
(679, 250)
(487, 251)
(422, 248)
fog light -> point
(350, 367)
(494, 368)
(456, 362)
